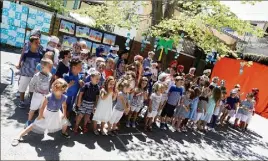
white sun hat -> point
(54, 39)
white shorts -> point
(231, 113)
(116, 116)
(249, 118)
(36, 101)
(152, 114)
(198, 116)
(242, 117)
(135, 109)
(24, 83)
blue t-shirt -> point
(146, 63)
(231, 102)
(73, 90)
(53, 70)
(245, 104)
(175, 94)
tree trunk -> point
(168, 14)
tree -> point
(200, 19)
(113, 13)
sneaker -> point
(128, 124)
(76, 130)
(115, 132)
(213, 130)
(133, 124)
(96, 132)
(110, 133)
(103, 133)
(66, 135)
(22, 105)
(178, 130)
(28, 123)
(18, 94)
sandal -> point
(96, 132)
(15, 142)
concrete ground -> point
(226, 144)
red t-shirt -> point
(108, 72)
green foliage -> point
(113, 13)
(198, 19)
(55, 4)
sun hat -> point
(54, 39)
(114, 48)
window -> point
(76, 4)
(253, 24)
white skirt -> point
(103, 111)
(116, 116)
(51, 123)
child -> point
(64, 66)
(193, 107)
(87, 100)
(154, 107)
(40, 85)
(164, 99)
(74, 80)
(154, 72)
(109, 70)
(48, 55)
(231, 106)
(183, 109)
(50, 116)
(213, 101)
(100, 68)
(242, 113)
(83, 58)
(76, 50)
(28, 65)
(217, 112)
(147, 61)
(122, 105)
(174, 97)
(91, 61)
(104, 107)
(137, 102)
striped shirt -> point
(30, 61)
(40, 83)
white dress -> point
(103, 111)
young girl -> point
(194, 104)
(213, 101)
(183, 109)
(109, 70)
(137, 103)
(154, 106)
(163, 100)
(122, 105)
(50, 116)
(87, 100)
(104, 107)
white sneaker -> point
(213, 130)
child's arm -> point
(124, 102)
(150, 106)
(41, 111)
(79, 100)
(33, 82)
(64, 107)
(103, 94)
(95, 104)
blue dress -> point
(193, 109)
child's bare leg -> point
(64, 129)
(228, 119)
(102, 126)
(174, 121)
(236, 121)
(22, 94)
(150, 122)
(78, 119)
(146, 122)
(129, 115)
(30, 115)
(179, 122)
(86, 119)
(135, 116)
(25, 131)
(95, 126)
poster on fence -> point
(95, 36)
(67, 27)
(68, 41)
(108, 39)
(12, 35)
(39, 20)
(82, 32)
(14, 14)
(94, 47)
(89, 43)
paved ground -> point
(226, 144)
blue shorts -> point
(70, 103)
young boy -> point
(149, 60)
(231, 106)
(29, 62)
(243, 111)
(40, 85)
(87, 100)
(74, 80)
(174, 96)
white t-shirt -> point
(156, 100)
(56, 56)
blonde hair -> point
(157, 87)
(49, 55)
(59, 85)
(122, 83)
(46, 61)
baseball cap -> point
(54, 39)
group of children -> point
(100, 89)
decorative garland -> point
(127, 41)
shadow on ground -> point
(227, 143)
